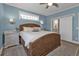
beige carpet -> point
(15, 51)
(66, 49)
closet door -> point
(66, 28)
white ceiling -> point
(40, 9)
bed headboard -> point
(28, 25)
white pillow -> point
(37, 28)
(27, 29)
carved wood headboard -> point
(28, 25)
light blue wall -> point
(74, 10)
(14, 12)
(7, 12)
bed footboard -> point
(44, 45)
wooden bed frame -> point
(41, 46)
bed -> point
(41, 43)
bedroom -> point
(13, 15)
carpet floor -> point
(66, 49)
(15, 51)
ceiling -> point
(40, 9)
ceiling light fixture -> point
(50, 4)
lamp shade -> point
(11, 21)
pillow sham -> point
(27, 29)
(36, 29)
(31, 29)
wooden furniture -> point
(11, 38)
(41, 46)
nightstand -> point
(11, 38)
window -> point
(28, 16)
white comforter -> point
(32, 36)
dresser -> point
(11, 38)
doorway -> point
(56, 25)
(63, 26)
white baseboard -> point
(1, 49)
(76, 42)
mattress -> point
(32, 36)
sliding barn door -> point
(66, 28)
